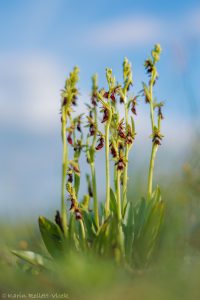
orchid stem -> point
(119, 212)
(64, 171)
(107, 204)
(94, 190)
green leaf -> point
(89, 224)
(73, 241)
(140, 214)
(113, 202)
(152, 227)
(100, 241)
(33, 258)
(148, 218)
(52, 237)
(129, 232)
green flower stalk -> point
(107, 118)
(75, 207)
(107, 204)
(93, 131)
(128, 81)
(64, 171)
(69, 96)
(77, 144)
(150, 65)
(119, 209)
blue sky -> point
(83, 32)
(41, 40)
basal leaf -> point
(33, 258)
(52, 237)
(113, 202)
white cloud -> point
(141, 30)
(129, 31)
(29, 91)
(30, 88)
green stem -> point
(125, 182)
(107, 204)
(154, 146)
(125, 173)
(151, 106)
(94, 190)
(64, 171)
(119, 214)
(119, 210)
(115, 179)
(151, 169)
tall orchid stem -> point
(93, 171)
(107, 204)
(151, 169)
(64, 171)
(94, 190)
(154, 146)
(125, 173)
(119, 209)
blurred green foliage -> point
(173, 274)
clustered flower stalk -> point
(105, 99)
(69, 95)
(150, 65)
(119, 135)
(93, 131)
(128, 81)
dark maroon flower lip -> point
(121, 100)
(105, 95)
(92, 129)
(58, 220)
(79, 126)
(100, 144)
(78, 214)
(64, 101)
(70, 177)
(149, 66)
(105, 115)
(74, 100)
(69, 139)
(113, 151)
(112, 97)
(160, 114)
(121, 130)
(120, 164)
(133, 105)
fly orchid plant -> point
(122, 229)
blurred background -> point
(41, 41)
